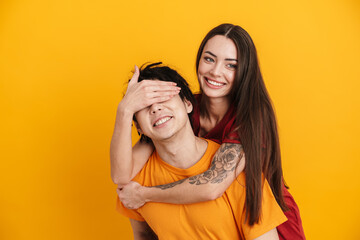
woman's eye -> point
(232, 66)
(209, 59)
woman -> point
(235, 110)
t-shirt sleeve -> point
(130, 213)
(271, 215)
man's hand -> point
(140, 95)
(130, 195)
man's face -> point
(163, 120)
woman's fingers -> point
(155, 89)
(160, 93)
(142, 94)
(159, 99)
(162, 89)
(150, 89)
(151, 86)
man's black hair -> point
(156, 71)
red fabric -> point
(225, 132)
(292, 228)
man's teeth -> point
(161, 121)
(215, 83)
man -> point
(180, 154)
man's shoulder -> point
(211, 149)
(212, 146)
(147, 168)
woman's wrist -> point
(124, 114)
(146, 193)
(124, 109)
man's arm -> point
(228, 162)
(142, 231)
(270, 235)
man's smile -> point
(162, 120)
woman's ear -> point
(188, 105)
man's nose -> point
(156, 107)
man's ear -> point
(138, 128)
(188, 105)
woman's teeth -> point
(214, 83)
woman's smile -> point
(217, 67)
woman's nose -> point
(215, 70)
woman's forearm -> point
(121, 147)
(183, 192)
(227, 164)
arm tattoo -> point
(224, 162)
(170, 185)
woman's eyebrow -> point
(231, 59)
(227, 59)
(211, 53)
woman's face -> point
(217, 67)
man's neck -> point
(182, 150)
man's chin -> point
(162, 138)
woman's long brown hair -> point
(255, 119)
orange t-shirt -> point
(223, 218)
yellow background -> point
(63, 65)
